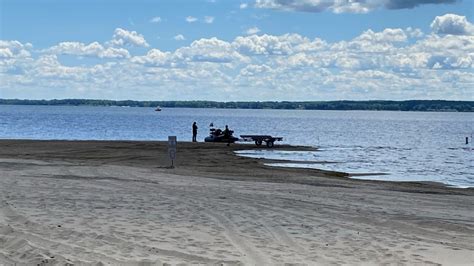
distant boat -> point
(158, 109)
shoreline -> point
(119, 203)
(161, 148)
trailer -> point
(259, 139)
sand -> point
(119, 203)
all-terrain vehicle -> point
(218, 135)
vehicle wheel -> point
(258, 142)
(270, 144)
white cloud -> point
(387, 35)
(14, 49)
(48, 66)
(155, 20)
(5, 53)
(447, 52)
(191, 19)
(414, 33)
(179, 37)
(93, 49)
(210, 50)
(343, 6)
(243, 6)
(269, 44)
(15, 57)
(154, 57)
(253, 70)
(251, 31)
(452, 24)
(388, 64)
(351, 7)
(208, 19)
(128, 38)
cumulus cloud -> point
(243, 6)
(155, 20)
(128, 38)
(414, 32)
(208, 19)
(93, 49)
(444, 52)
(269, 44)
(191, 19)
(210, 50)
(251, 31)
(343, 6)
(14, 49)
(179, 37)
(387, 35)
(5, 53)
(392, 63)
(154, 57)
(452, 24)
(253, 70)
(15, 57)
(48, 66)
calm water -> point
(404, 145)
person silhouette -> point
(227, 134)
(195, 131)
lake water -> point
(406, 146)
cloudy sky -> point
(229, 50)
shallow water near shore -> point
(405, 146)
(369, 166)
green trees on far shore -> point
(412, 105)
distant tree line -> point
(413, 105)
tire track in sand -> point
(253, 256)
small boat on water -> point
(158, 109)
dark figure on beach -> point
(195, 131)
(227, 134)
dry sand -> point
(118, 203)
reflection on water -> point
(407, 145)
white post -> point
(172, 149)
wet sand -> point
(92, 202)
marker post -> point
(172, 142)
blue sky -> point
(237, 50)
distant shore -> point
(372, 105)
(120, 203)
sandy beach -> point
(119, 203)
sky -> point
(226, 50)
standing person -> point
(195, 131)
(227, 134)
